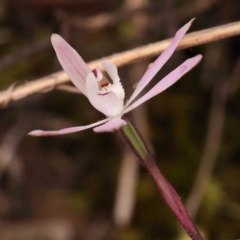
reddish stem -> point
(168, 193)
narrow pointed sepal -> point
(41, 133)
(160, 61)
(167, 81)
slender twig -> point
(120, 59)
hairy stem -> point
(167, 192)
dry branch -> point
(120, 59)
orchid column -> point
(108, 97)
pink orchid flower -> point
(108, 97)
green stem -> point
(168, 193)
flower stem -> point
(168, 193)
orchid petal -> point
(104, 101)
(40, 133)
(117, 87)
(112, 71)
(111, 126)
(160, 61)
(71, 62)
(167, 81)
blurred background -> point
(89, 186)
